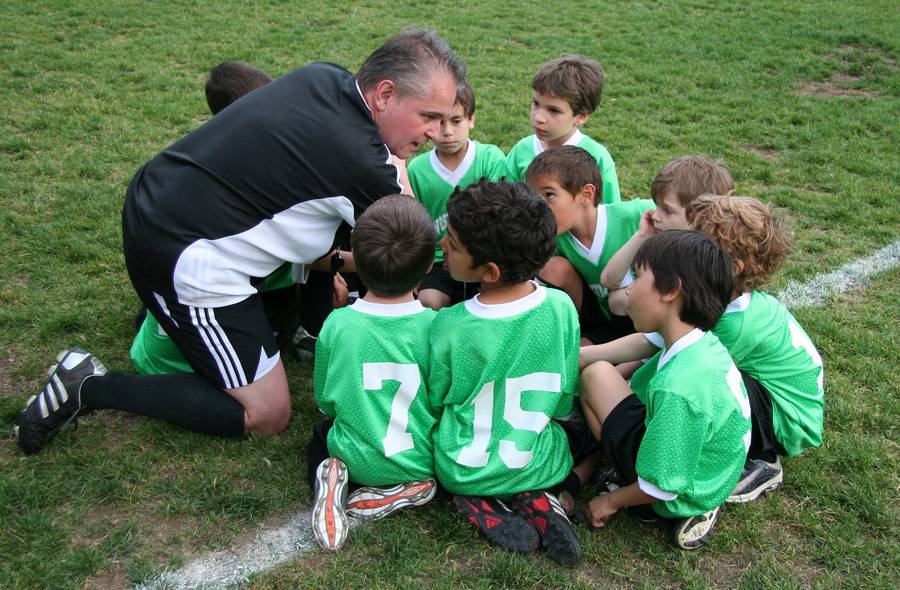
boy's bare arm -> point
(618, 266)
(602, 507)
(627, 348)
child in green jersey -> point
(455, 161)
(503, 365)
(566, 91)
(589, 233)
(369, 379)
(677, 434)
(678, 183)
(780, 365)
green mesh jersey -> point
(518, 159)
(616, 224)
(153, 352)
(499, 373)
(766, 342)
(698, 425)
(433, 184)
(369, 375)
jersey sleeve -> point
(494, 163)
(570, 370)
(670, 450)
(320, 371)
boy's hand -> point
(600, 509)
(645, 226)
(340, 294)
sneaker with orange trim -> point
(329, 519)
(499, 524)
(369, 503)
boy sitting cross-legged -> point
(677, 434)
(566, 92)
(455, 161)
(589, 233)
(781, 368)
(369, 379)
(503, 365)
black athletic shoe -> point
(757, 477)
(544, 512)
(46, 413)
(499, 524)
(304, 344)
(690, 533)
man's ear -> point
(491, 273)
(385, 91)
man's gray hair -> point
(410, 59)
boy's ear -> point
(491, 273)
(384, 92)
(472, 121)
(673, 295)
(582, 119)
(589, 191)
(737, 267)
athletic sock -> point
(185, 399)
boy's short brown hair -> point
(465, 97)
(571, 166)
(574, 78)
(750, 231)
(393, 245)
(689, 177)
(231, 80)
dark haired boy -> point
(677, 434)
(229, 81)
(369, 379)
(566, 92)
(589, 233)
(503, 365)
(455, 161)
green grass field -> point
(800, 100)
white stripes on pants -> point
(216, 340)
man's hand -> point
(340, 294)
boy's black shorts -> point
(439, 278)
(595, 326)
(763, 444)
(582, 443)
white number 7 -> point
(397, 439)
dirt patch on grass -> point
(856, 64)
(762, 152)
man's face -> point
(405, 123)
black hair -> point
(504, 223)
(231, 80)
(690, 261)
(393, 245)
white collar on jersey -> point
(453, 178)
(593, 255)
(506, 310)
(679, 345)
(388, 310)
(574, 140)
(739, 303)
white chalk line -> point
(270, 548)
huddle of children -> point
(516, 393)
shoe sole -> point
(556, 532)
(771, 484)
(329, 521)
(698, 538)
(510, 531)
(371, 503)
